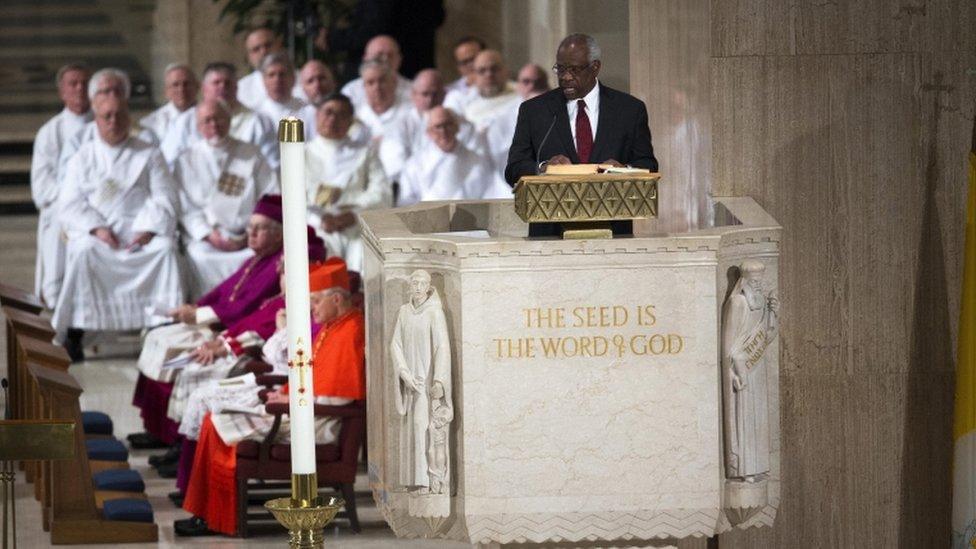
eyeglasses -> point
(573, 70)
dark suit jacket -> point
(622, 133)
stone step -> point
(41, 23)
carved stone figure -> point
(749, 324)
(421, 353)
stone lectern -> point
(571, 390)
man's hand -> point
(281, 319)
(558, 159)
(613, 162)
(273, 397)
(218, 241)
(206, 353)
(185, 313)
(107, 236)
(342, 221)
(141, 240)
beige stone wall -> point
(850, 123)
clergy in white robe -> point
(465, 50)
(181, 87)
(447, 170)
(344, 177)
(382, 113)
(250, 88)
(426, 93)
(72, 81)
(279, 79)
(385, 49)
(108, 82)
(220, 180)
(494, 94)
(317, 81)
(118, 207)
(245, 124)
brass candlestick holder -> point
(305, 514)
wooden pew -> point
(28, 324)
(11, 296)
(73, 515)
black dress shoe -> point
(194, 526)
(176, 497)
(73, 345)
(171, 456)
(145, 441)
(167, 471)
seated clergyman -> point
(118, 206)
(446, 169)
(239, 295)
(344, 177)
(181, 87)
(338, 378)
(220, 179)
(278, 74)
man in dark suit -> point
(581, 121)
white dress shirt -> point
(592, 101)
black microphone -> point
(6, 399)
(543, 144)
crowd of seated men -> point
(172, 223)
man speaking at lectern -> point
(580, 122)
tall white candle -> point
(300, 404)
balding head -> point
(427, 90)
(442, 128)
(491, 75)
(111, 118)
(384, 48)
(317, 81)
(532, 80)
(259, 43)
(213, 120)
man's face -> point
(576, 75)
(263, 235)
(419, 286)
(427, 92)
(220, 85)
(380, 89)
(317, 81)
(325, 306)
(279, 80)
(490, 74)
(464, 56)
(333, 119)
(181, 88)
(110, 86)
(442, 129)
(258, 44)
(112, 119)
(212, 121)
(384, 48)
(73, 90)
(530, 82)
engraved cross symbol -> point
(230, 184)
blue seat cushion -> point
(132, 510)
(96, 423)
(125, 480)
(106, 449)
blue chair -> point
(106, 449)
(121, 480)
(131, 510)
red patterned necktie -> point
(584, 134)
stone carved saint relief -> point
(749, 326)
(421, 354)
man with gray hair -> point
(561, 126)
(385, 49)
(246, 125)
(72, 82)
(279, 80)
(220, 180)
(181, 87)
